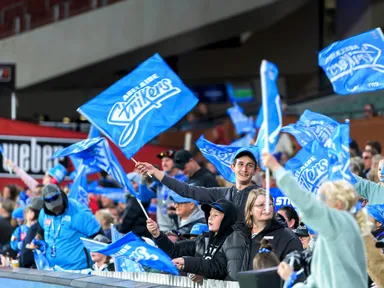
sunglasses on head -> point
(52, 198)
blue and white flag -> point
(132, 247)
(115, 194)
(310, 170)
(93, 132)
(221, 156)
(76, 162)
(272, 106)
(245, 141)
(356, 64)
(145, 194)
(96, 152)
(140, 106)
(279, 197)
(338, 154)
(311, 126)
(376, 212)
(124, 264)
(78, 189)
(242, 123)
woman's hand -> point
(153, 228)
(270, 161)
(284, 270)
(179, 263)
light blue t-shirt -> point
(64, 232)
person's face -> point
(167, 164)
(58, 209)
(97, 257)
(188, 169)
(183, 210)
(290, 223)
(30, 215)
(6, 193)
(367, 159)
(258, 212)
(115, 214)
(244, 169)
(46, 179)
(379, 169)
(214, 220)
(106, 202)
(305, 241)
(368, 111)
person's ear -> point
(233, 167)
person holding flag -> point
(338, 261)
(244, 165)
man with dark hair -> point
(197, 175)
(244, 166)
(290, 216)
(373, 145)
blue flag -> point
(272, 106)
(145, 193)
(140, 106)
(242, 123)
(123, 264)
(240, 94)
(309, 169)
(115, 194)
(311, 126)
(78, 189)
(376, 212)
(95, 152)
(1, 150)
(93, 132)
(132, 247)
(356, 64)
(338, 154)
(245, 141)
(280, 199)
(220, 156)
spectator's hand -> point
(284, 270)
(153, 228)
(8, 162)
(270, 161)
(196, 278)
(179, 263)
(31, 246)
(145, 168)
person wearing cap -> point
(31, 213)
(64, 221)
(188, 213)
(101, 261)
(196, 230)
(197, 175)
(206, 256)
(26, 255)
(162, 191)
(55, 175)
(244, 166)
(376, 216)
(133, 218)
(302, 232)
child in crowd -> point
(102, 262)
(266, 257)
(105, 218)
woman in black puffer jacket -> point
(204, 255)
(244, 243)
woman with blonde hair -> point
(339, 258)
(260, 224)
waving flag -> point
(124, 264)
(356, 64)
(242, 123)
(145, 194)
(79, 187)
(220, 156)
(338, 154)
(140, 106)
(132, 247)
(93, 132)
(376, 212)
(271, 105)
(95, 152)
(245, 141)
(311, 126)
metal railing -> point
(165, 279)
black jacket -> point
(244, 248)
(203, 177)
(209, 195)
(26, 255)
(203, 255)
(134, 219)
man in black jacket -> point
(244, 166)
(197, 175)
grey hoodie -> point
(197, 216)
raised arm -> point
(369, 190)
(28, 180)
(202, 194)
